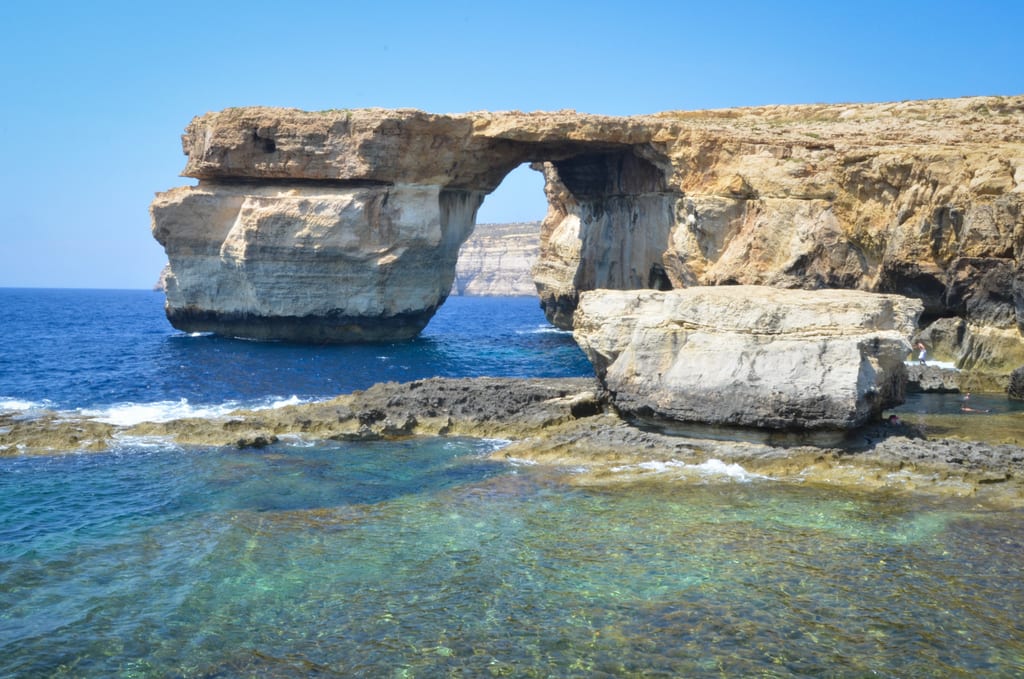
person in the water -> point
(965, 407)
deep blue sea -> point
(424, 557)
(114, 349)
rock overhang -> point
(903, 197)
(465, 151)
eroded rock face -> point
(310, 263)
(923, 199)
(749, 356)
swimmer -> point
(968, 409)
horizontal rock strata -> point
(919, 198)
(749, 356)
(497, 260)
(309, 263)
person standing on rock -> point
(922, 354)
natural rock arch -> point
(345, 225)
(326, 227)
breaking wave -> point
(709, 468)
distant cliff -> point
(497, 259)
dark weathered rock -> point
(563, 423)
(1016, 388)
(932, 378)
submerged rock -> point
(749, 356)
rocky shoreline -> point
(568, 424)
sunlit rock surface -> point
(310, 263)
(749, 356)
(497, 259)
(918, 198)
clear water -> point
(71, 349)
(992, 418)
(424, 558)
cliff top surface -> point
(475, 150)
(983, 118)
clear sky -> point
(96, 94)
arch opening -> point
(610, 218)
(607, 221)
(498, 257)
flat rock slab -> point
(749, 356)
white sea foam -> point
(285, 402)
(297, 441)
(734, 470)
(22, 409)
(520, 462)
(16, 405)
(128, 414)
(492, 445)
(543, 330)
(709, 468)
(146, 442)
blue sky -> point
(96, 94)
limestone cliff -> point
(343, 225)
(497, 259)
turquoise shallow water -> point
(424, 558)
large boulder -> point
(749, 356)
(933, 378)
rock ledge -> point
(563, 424)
